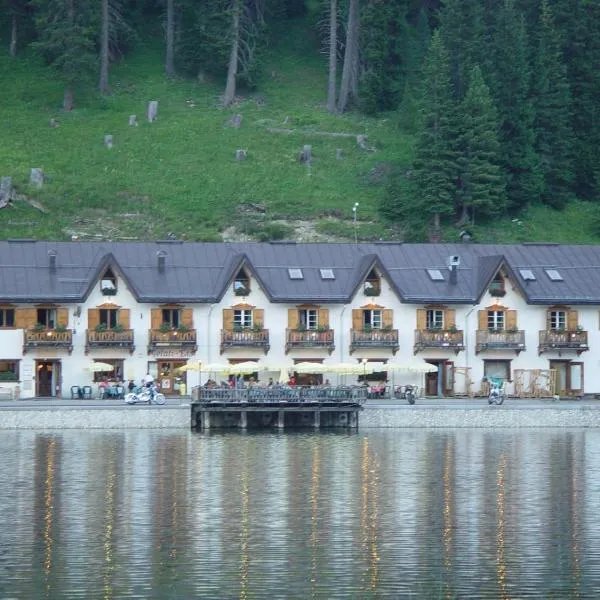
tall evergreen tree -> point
(552, 102)
(349, 82)
(435, 165)
(511, 87)
(481, 189)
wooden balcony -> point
(109, 339)
(48, 338)
(563, 340)
(443, 339)
(245, 338)
(173, 339)
(499, 340)
(376, 338)
(311, 338)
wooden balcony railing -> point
(172, 339)
(438, 338)
(499, 340)
(563, 340)
(376, 338)
(110, 339)
(48, 338)
(245, 338)
(311, 338)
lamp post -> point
(354, 209)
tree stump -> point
(240, 154)
(53, 123)
(108, 141)
(5, 191)
(133, 121)
(152, 110)
(305, 156)
(236, 121)
(37, 177)
(339, 154)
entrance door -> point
(568, 377)
(431, 384)
(440, 382)
(169, 378)
(47, 380)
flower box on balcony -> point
(109, 291)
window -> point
(554, 275)
(241, 284)
(47, 317)
(435, 319)
(108, 283)
(372, 284)
(558, 319)
(497, 285)
(497, 368)
(242, 318)
(115, 375)
(7, 317)
(170, 316)
(495, 320)
(308, 318)
(108, 317)
(372, 319)
(9, 370)
(295, 274)
(435, 275)
(527, 274)
(327, 274)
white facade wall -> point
(208, 322)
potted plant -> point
(301, 328)
(39, 327)
(323, 328)
(118, 328)
(452, 329)
(165, 327)
(100, 327)
(257, 327)
(183, 328)
(367, 328)
(60, 329)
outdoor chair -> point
(76, 392)
(87, 392)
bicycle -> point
(145, 395)
(496, 392)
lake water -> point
(449, 514)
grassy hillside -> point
(178, 176)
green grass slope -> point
(178, 176)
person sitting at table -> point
(102, 387)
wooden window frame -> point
(4, 312)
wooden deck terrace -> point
(277, 406)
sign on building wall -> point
(173, 353)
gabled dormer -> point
(372, 284)
(497, 286)
(108, 283)
(241, 282)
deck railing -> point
(551, 339)
(438, 338)
(375, 338)
(311, 338)
(48, 338)
(110, 339)
(172, 339)
(276, 394)
(499, 340)
(245, 338)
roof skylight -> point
(554, 275)
(435, 274)
(295, 274)
(527, 274)
(327, 274)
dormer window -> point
(497, 286)
(372, 284)
(108, 283)
(241, 283)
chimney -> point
(453, 264)
(161, 257)
(52, 260)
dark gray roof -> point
(201, 272)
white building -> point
(528, 313)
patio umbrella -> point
(312, 368)
(100, 367)
(410, 367)
(244, 368)
(350, 368)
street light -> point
(354, 209)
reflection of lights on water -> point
(109, 502)
(314, 515)
(369, 512)
(245, 555)
(448, 511)
(576, 525)
(49, 506)
(500, 505)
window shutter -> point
(387, 317)
(483, 322)
(228, 319)
(62, 317)
(323, 317)
(155, 318)
(187, 317)
(124, 319)
(25, 318)
(449, 318)
(258, 317)
(548, 320)
(357, 322)
(572, 320)
(93, 318)
(293, 318)
(421, 319)
(511, 319)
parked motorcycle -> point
(406, 392)
(496, 393)
(145, 395)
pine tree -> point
(511, 87)
(435, 165)
(481, 189)
(552, 101)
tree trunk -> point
(170, 52)
(332, 56)
(233, 57)
(13, 36)
(68, 98)
(104, 26)
(349, 82)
